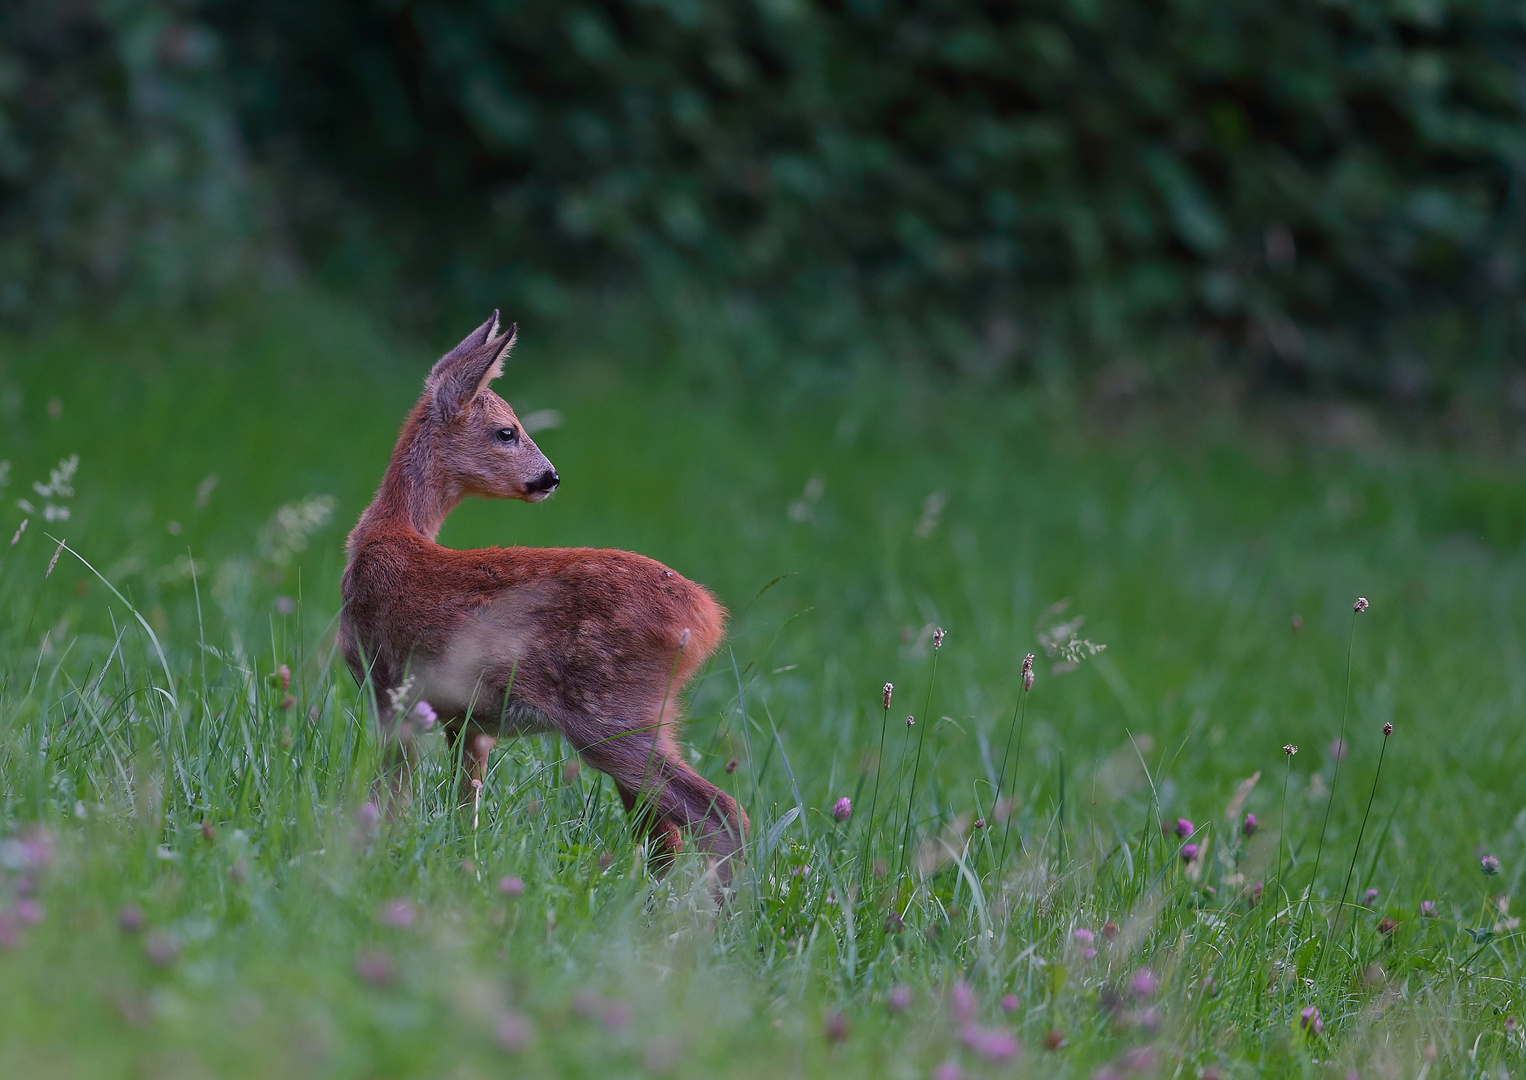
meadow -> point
(1059, 882)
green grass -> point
(840, 520)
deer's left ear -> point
(465, 372)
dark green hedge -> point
(1319, 193)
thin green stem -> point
(1001, 776)
(1341, 907)
(1006, 828)
(879, 766)
(1340, 752)
(911, 796)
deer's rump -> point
(514, 637)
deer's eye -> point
(506, 435)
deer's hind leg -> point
(665, 793)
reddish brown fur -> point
(593, 644)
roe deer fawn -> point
(593, 644)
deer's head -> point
(476, 444)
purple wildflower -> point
(1189, 852)
(1249, 826)
(1009, 1003)
(1143, 983)
(842, 809)
(1139, 1059)
(30, 911)
(1309, 1020)
(961, 1002)
(835, 1027)
(615, 1015)
(163, 948)
(1371, 896)
(1184, 828)
(514, 1032)
(1428, 909)
(900, 998)
(1084, 936)
(399, 914)
(511, 886)
(993, 1044)
(948, 1070)
(375, 967)
(130, 918)
(1490, 865)
(425, 715)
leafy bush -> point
(1324, 192)
(121, 165)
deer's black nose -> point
(547, 482)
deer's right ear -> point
(453, 381)
(475, 340)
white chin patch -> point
(537, 496)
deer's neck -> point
(412, 496)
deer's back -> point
(562, 631)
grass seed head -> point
(885, 693)
(1388, 728)
(938, 639)
(1289, 749)
(1361, 605)
(911, 721)
(1028, 673)
(731, 766)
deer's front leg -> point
(471, 754)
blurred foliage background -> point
(1320, 196)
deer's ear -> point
(465, 371)
(475, 340)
